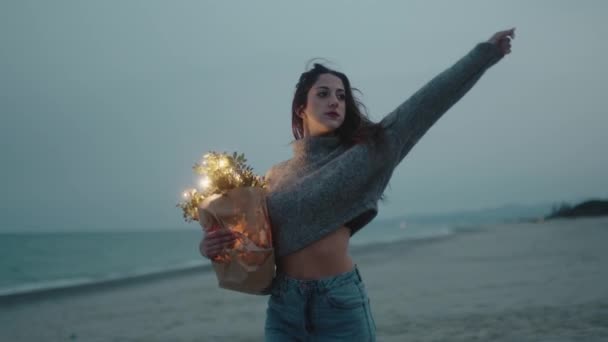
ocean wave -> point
(113, 278)
(368, 238)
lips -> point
(333, 115)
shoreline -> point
(112, 283)
(510, 282)
(103, 285)
(357, 251)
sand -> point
(511, 282)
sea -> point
(34, 262)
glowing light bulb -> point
(204, 183)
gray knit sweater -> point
(327, 185)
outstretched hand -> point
(502, 39)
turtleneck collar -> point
(312, 147)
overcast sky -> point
(106, 105)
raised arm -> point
(413, 118)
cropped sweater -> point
(327, 184)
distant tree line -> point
(587, 208)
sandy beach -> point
(511, 282)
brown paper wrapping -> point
(249, 265)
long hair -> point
(356, 128)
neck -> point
(307, 134)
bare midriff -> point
(321, 259)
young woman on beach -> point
(329, 190)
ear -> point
(300, 112)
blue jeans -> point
(329, 309)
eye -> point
(322, 94)
(342, 97)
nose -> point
(333, 101)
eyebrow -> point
(327, 88)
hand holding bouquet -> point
(232, 197)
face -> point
(325, 106)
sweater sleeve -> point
(406, 124)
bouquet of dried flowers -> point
(231, 196)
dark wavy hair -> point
(356, 128)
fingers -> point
(212, 253)
(506, 34)
(505, 45)
(220, 243)
(215, 242)
(218, 233)
(502, 39)
(219, 237)
(509, 33)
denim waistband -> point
(318, 285)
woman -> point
(330, 188)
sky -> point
(106, 105)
